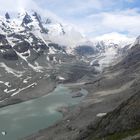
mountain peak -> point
(137, 41)
(7, 16)
(27, 19)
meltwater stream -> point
(23, 119)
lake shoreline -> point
(17, 99)
(53, 106)
(20, 99)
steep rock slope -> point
(121, 123)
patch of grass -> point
(118, 136)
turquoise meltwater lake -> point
(21, 120)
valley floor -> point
(105, 93)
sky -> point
(92, 17)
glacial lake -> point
(21, 120)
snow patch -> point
(26, 80)
(9, 91)
(61, 78)
(31, 85)
(10, 70)
(101, 114)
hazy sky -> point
(92, 17)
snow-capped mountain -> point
(27, 34)
(115, 38)
(32, 47)
(42, 27)
(37, 50)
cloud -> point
(125, 21)
(92, 17)
(130, 1)
(76, 7)
(97, 17)
(115, 37)
(15, 5)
